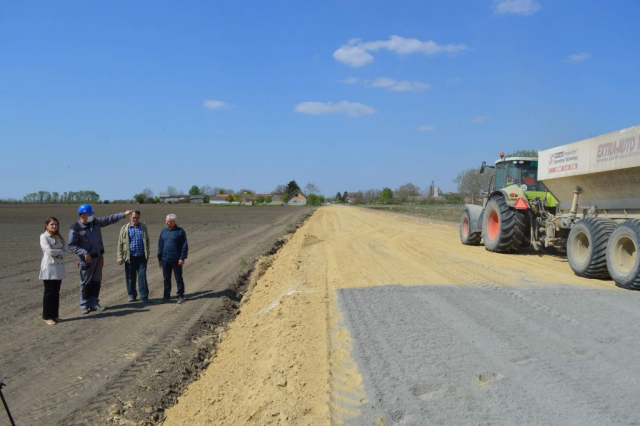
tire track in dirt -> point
(342, 250)
(120, 356)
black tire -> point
(466, 236)
(587, 247)
(623, 259)
(502, 227)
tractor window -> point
(530, 176)
(501, 174)
(513, 174)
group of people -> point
(133, 250)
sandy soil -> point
(289, 357)
(126, 364)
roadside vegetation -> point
(445, 212)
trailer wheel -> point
(502, 227)
(587, 247)
(623, 261)
(466, 236)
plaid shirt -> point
(136, 245)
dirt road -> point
(374, 318)
(122, 366)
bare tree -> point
(404, 192)
(371, 196)
(147, 193)
(172, 190)
(470, 182)
(207, 190)
(311, 188)
(280, 189)
(356, 197)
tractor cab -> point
(521, 172)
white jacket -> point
(52, 266)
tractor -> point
(511, 208)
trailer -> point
(597, 184)
(584, 197)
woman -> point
(52, 270)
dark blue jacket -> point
(88, 238)
(172, 245)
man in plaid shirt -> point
(133, 251)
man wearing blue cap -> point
(85, 240)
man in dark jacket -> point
(172, 252)
(85, 240)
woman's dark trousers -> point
(51, 300)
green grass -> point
(449, 213)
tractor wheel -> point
(623, 260)
(587, 247)
(502, 227)
(466, 236)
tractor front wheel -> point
(502, 227)
(466, 236)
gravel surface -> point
(494, 355)
(374, 318)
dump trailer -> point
(589, 206)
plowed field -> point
(126, 364)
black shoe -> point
(146, 301)
(180, 300)
(166, 299)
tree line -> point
(285, 191)
(69, 197)
(470, 183)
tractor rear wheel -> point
(587, 247)
(502, 227)
(623, 260)
(466, 236)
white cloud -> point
(352, 109)
(350, 80)
(400, 86)
(356, 53)
(426, 128)
(215, 104)
(480, 119)
(516, 7)
(578, 57)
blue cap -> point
(85, 209)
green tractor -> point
(507, 219)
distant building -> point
(173, 199)
(433, 191)
(219, 199)
(297, 198)
(276, 200)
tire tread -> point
(512, 227)
(632, 283)
(599, 231)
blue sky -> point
(118, 96)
